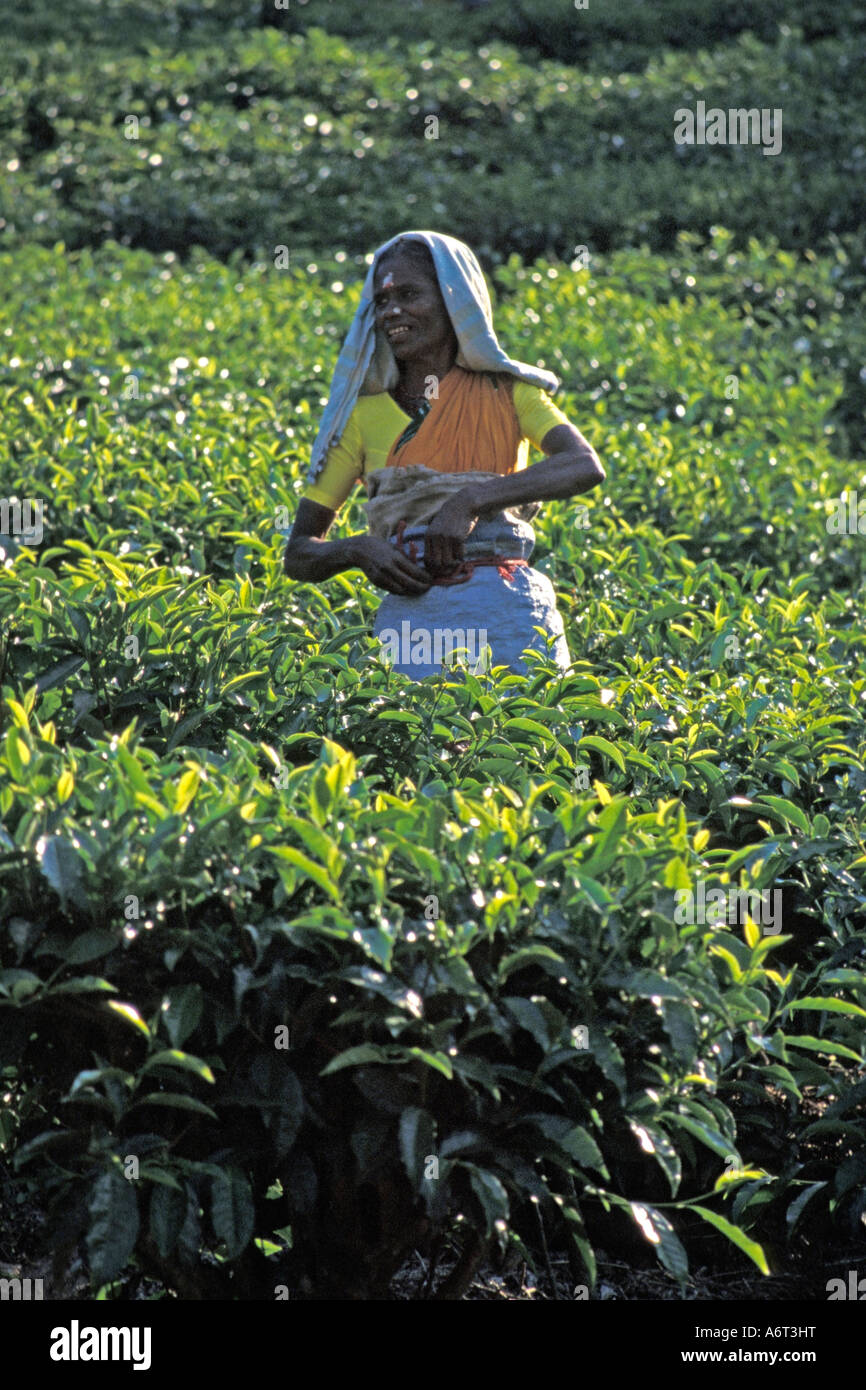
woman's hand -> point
(445, 534)
(389, 568)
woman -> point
(432, 414)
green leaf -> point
(417, 1142)
(167, 1213)
(785, 811)
(645, 984)
(736, 1236)
(83, 984)
(491, 1194)
(181, 1012)
(133, 770)
(782, 1076)
(182, 1060)
(437, 1060)
(59, 674)
(175, 1100)
(583, 1148)
(613, 822)
(89, 946)
(653, 1140)
(601, 713)
(572, 1139)
(530, 955)
(850, 1173)
(579, 1236)
(711, 1137)
(610, 1062)
(833, 1006)
(94, 1074)
(274, 1087)
(61, 864)
(359, 1056)
(161, 1176)
(459, 1141)
(307, 866)
(681, 1027)
(129, 1015)
(787, 769)
(832, 1049)
(49, 1139)
(113, 1229)
(237, 682)
(661, 1235)
(187, 724)
(736, 1176)
(13, 755)
(603, 745)
(18, 985)
(529, 1016)
(529, 726)
(232, 1212)
(189, 1241)
(676, 874)
(798, 1206)
(186, 790)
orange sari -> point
(471, 426)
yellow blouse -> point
(377, 421)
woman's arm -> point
(309, 556)
(572, 467)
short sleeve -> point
(536, 412)
(343, 466)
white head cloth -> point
(366, 364)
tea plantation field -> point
(305, 967)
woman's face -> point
(410, 310)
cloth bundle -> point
(414, 495)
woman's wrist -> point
(311, 559)
(482, 498)
(469, 497)
(354, 550)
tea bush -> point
(253, 138)
(617, 37)
(295, 954)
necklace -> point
(405, 398)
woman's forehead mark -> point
(388, 282)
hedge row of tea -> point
(237, 136)
(617, 37)
(306, 967)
